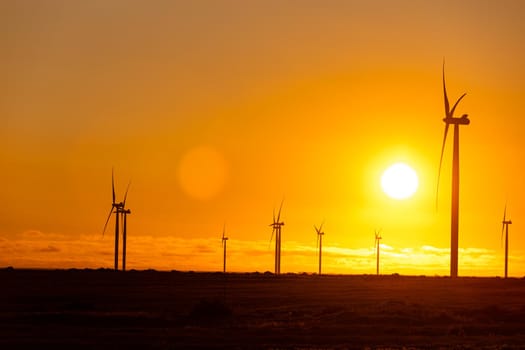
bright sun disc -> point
(399, 181)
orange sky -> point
(216, 110)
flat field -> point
(102, 309)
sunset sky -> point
(217, 110)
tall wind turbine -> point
(505, 227)
(117, 208)
(320, 235)
(276, 228)
(377, 244)
(454, 227)
(223, 243)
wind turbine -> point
(320, 235)
(505, 227)
(223, 243)
(117, 209)
(454, 227)
(276, 228)
(376, 245)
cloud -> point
(35, 235)
(203, 249)
(427, 248)
(49, 249)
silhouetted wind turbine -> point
(320, 235)
(118, 209)
(276, 228)
(223, 243)
(377, 244)
(449, 119)
(505, 228)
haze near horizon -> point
(216, 110)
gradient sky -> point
(216, 110)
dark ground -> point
(83, 309)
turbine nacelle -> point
(459, 121)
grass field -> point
(102, 309)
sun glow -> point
(399, 181)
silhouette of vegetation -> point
(64, 309)
(209, 311)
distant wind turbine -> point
(320, 235)
(223, 243)
(276, 228)
(119, 210)
(505, 228)
(376, 245)
(454, 229)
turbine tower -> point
(376, 245)
(320, 235)
(223, 243)
(118, 209)
(124, 212)
(505, 228)
(276, 228)
(454, 227)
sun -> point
(399, 181)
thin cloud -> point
(49, 250)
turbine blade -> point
(321, 227)
(503, 223)
(126, 195)
(316, 229)
(317, 245)
(223, 230)
(107, 220)
(502, 229)
(271, 238)
(113, 185)
(279, 214)
(274, 215)
(441, 161)
(456, 104)
(447, 105)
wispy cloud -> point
(52, 250)
(49, 249)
